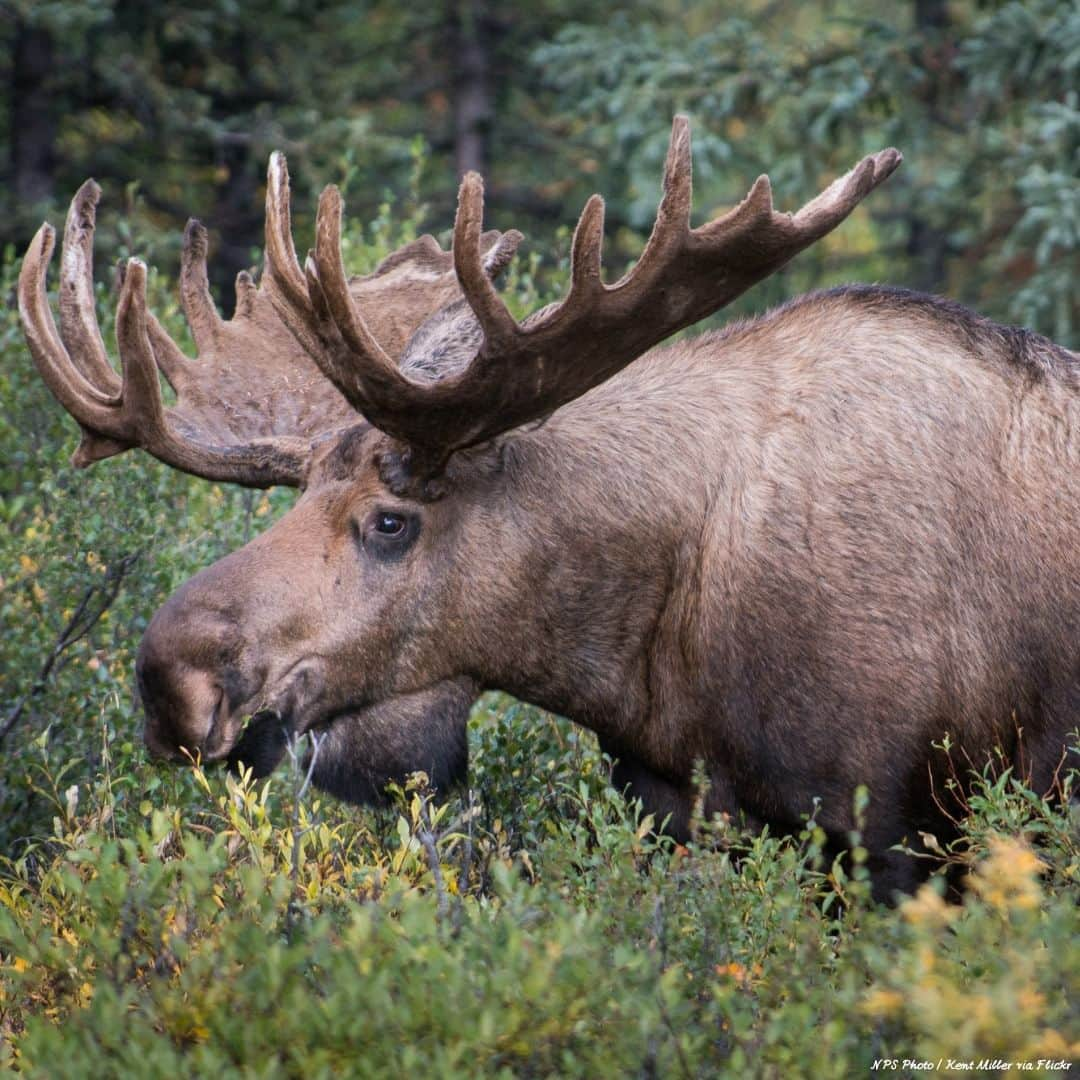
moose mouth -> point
(265, 738)
(296, 706)
(265, 734)
(370, 742)
(215, 715)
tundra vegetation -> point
(154, 919)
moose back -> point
(801, 550)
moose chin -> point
(800, 550)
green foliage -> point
(984, 106)
(257, 935)
(177, 107)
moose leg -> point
(1044, 756)
(361, 752)
(892, 873)
(670, 804)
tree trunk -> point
(927, 246)
(32, 118)
(237, 216)
(931, 15)
(473, 110)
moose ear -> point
(416, 281)
(496, 258)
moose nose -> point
(182, 704)
(182, 685)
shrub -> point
(261, 935)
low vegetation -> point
(534, 926)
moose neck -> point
(600, 518)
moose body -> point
(799, 550)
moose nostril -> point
(183, 705)
(185, 675)
(157, 748)
(220, 733)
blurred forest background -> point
(175, 106)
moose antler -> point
(525, 371)
(251, 403)
(220, 427)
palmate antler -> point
(204, 433)
(249, 406)
(525, 371)
(309, 348)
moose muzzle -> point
(190, 692)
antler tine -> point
(286, 280)
(199, 307)
(672, 226)
(755, 210)
(246, 291)
(349, 356)
(319, 307)
(142, 412)
(586, 252)
(177, 368)
(78, 321)
(88, 404)
(79, 328)
(842, 196)
(282, 266)
(100, 414)
(368, 359)
(498, 324)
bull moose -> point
(799, 550)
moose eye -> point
(387, 524)
(387, 534)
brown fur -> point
(800, 549)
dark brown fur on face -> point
(360, 753)
(801, 550)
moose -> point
(802, 550)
